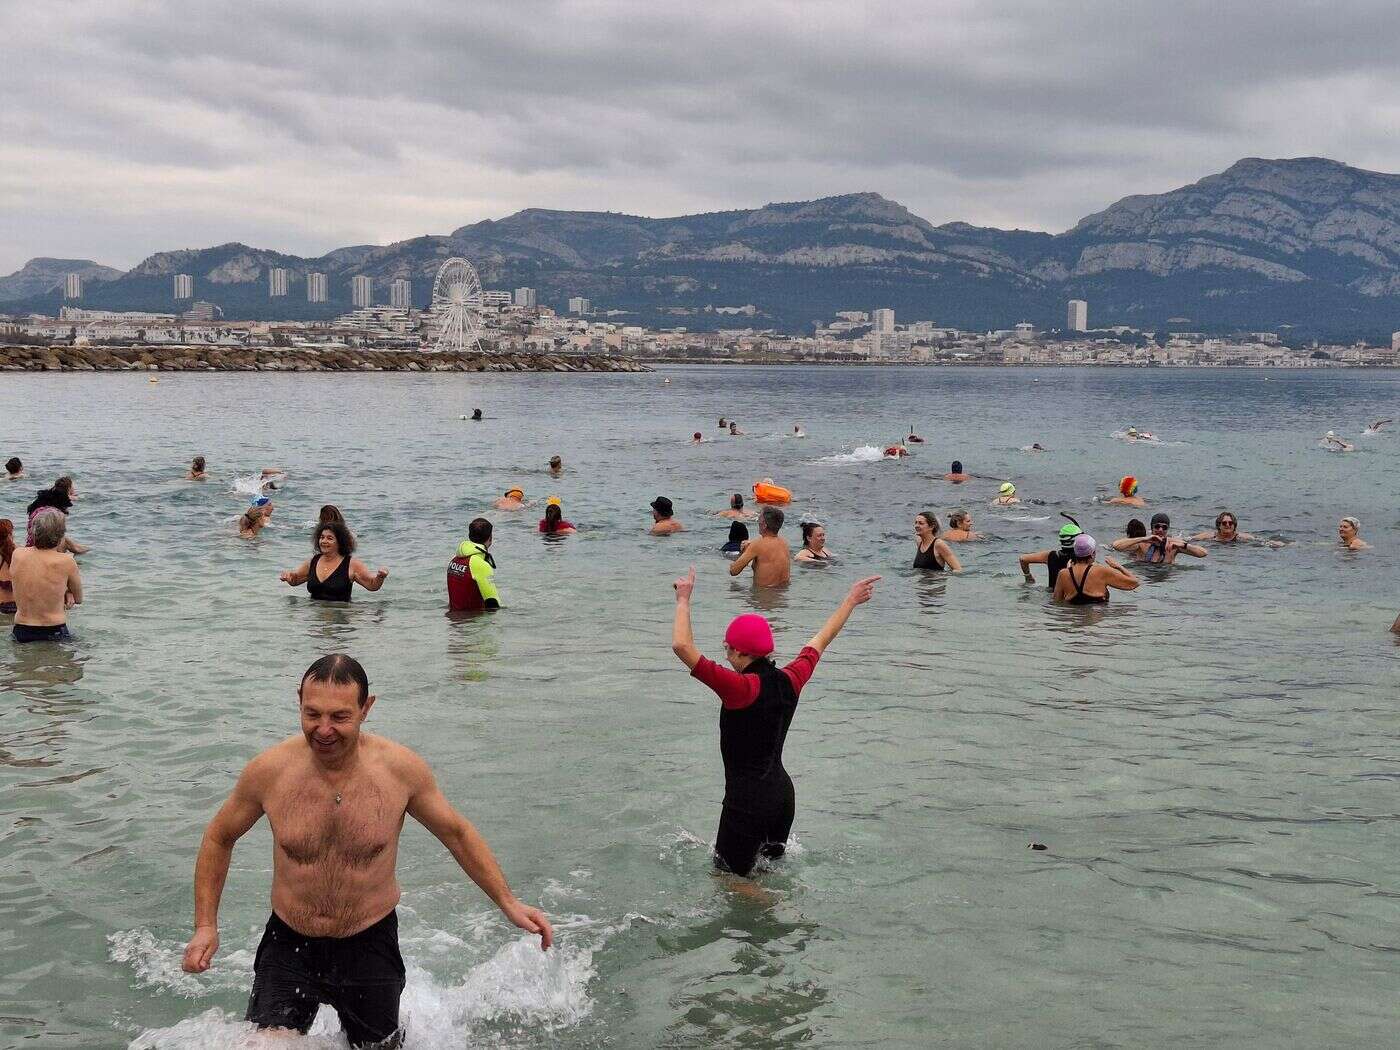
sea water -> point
(1210, 761)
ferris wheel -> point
(456, 303)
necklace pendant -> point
(337, 798)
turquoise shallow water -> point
(1211, 760)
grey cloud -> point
(305, 122)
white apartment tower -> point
(315, 288)
(526, 297)
(401, 293)
(184, 286)
(883, 320)
(579, 305)
(73, 286)
(276, 282)
(1078, 320)
(361, 291)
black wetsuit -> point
(335, 587)
(759, 800)
(1055, 561)
(360, 976)
(928, 559)
(1080, 598)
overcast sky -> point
(132, 126)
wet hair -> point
(809, 527)
(957, 467)
(479, 531)
(956, 519)
(1355, 525)
(7, 540)
(1136, 528)
(1227, 514)
(555, 461)
(198, 464)
(932, 519)
(64, 485)
(770, 518)
(49, 528)
(738, 532)
(736, 501)
(329, 513)
(337, 669)
(13, 465)
(343, 539)
(552, 517)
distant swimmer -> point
(769, 554)
(7, 553)
(797, 431)
(722, 423)
(1160, 548)
(663, 517)
(1349, 533)
(270, 476)
(1036, 447)
(1375, 428)
(335, 799)
(471, 584)
(1085, 582)
(931, 551)
(696, 438)
(913, 438)
(960, 528)
(556, 466)
(553, 523)
(331, 571)
(738, 536)
(1332, 441)
(734, 430)
(1227, 530)
(476, 415)
(197, 471)
(1006, 496)
(253, 520)
(1053, 560)
(1127, 494)
(814, 543)
(956, 475)
(513, 499)
(758, 700)
(14, 469)
(736, 508)
(896, 451)
(1134, 434)
(44, 582)
(60, 498)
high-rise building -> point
(315, 288)
(883, 320)
(184, 286)
(1078, 320)
(401, 293)
(526, 297)
(361, 291)
(579, 305)
(1395, 342)
(276, 282)
(73, 286)
(496, 298)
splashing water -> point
(860, 454)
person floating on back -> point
(757, 702)
(471, 584)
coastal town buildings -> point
(277, 280)
(362, 291)
(401, 293)
(579, 305)
(315, 288)
(73, 286)
(184, 286)
(1078, 319)
(526, 298)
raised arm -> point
(370, 581)
(297, 576)
(239, 812)
(748, 554)
(428, 806)
(860, 593)
(682, 637)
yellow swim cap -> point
(554, 501)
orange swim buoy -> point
(766, 491)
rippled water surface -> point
(1211, 760)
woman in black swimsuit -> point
(331, 571)
(932, 553)
(1085, 582)
(813, 543)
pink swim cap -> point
(750, 634)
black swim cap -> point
(1160, 519)
(957, 467)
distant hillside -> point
(1308, 243)
(39, 276)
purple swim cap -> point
(1084, 545)
(750, 634)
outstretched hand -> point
(863, 590)
(531, 920)
(685, 586)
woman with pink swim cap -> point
(757, 702)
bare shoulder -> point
(264, 768)
(403, 763)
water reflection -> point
(473, 644)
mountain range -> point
(1307, 245)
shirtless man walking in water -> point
(336, 798)
(770, 554)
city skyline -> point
(999, 114)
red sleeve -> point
(799, 672)
(734, 690)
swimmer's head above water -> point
(736, 501)
(1068, 533)
(748, 635)
(957, 467)
(516, 493)
(1085, 547)
(1128, 486)
(1007, 489)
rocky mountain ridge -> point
(1308, 243)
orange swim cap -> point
(1128, 486)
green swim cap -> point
(1068, 533)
